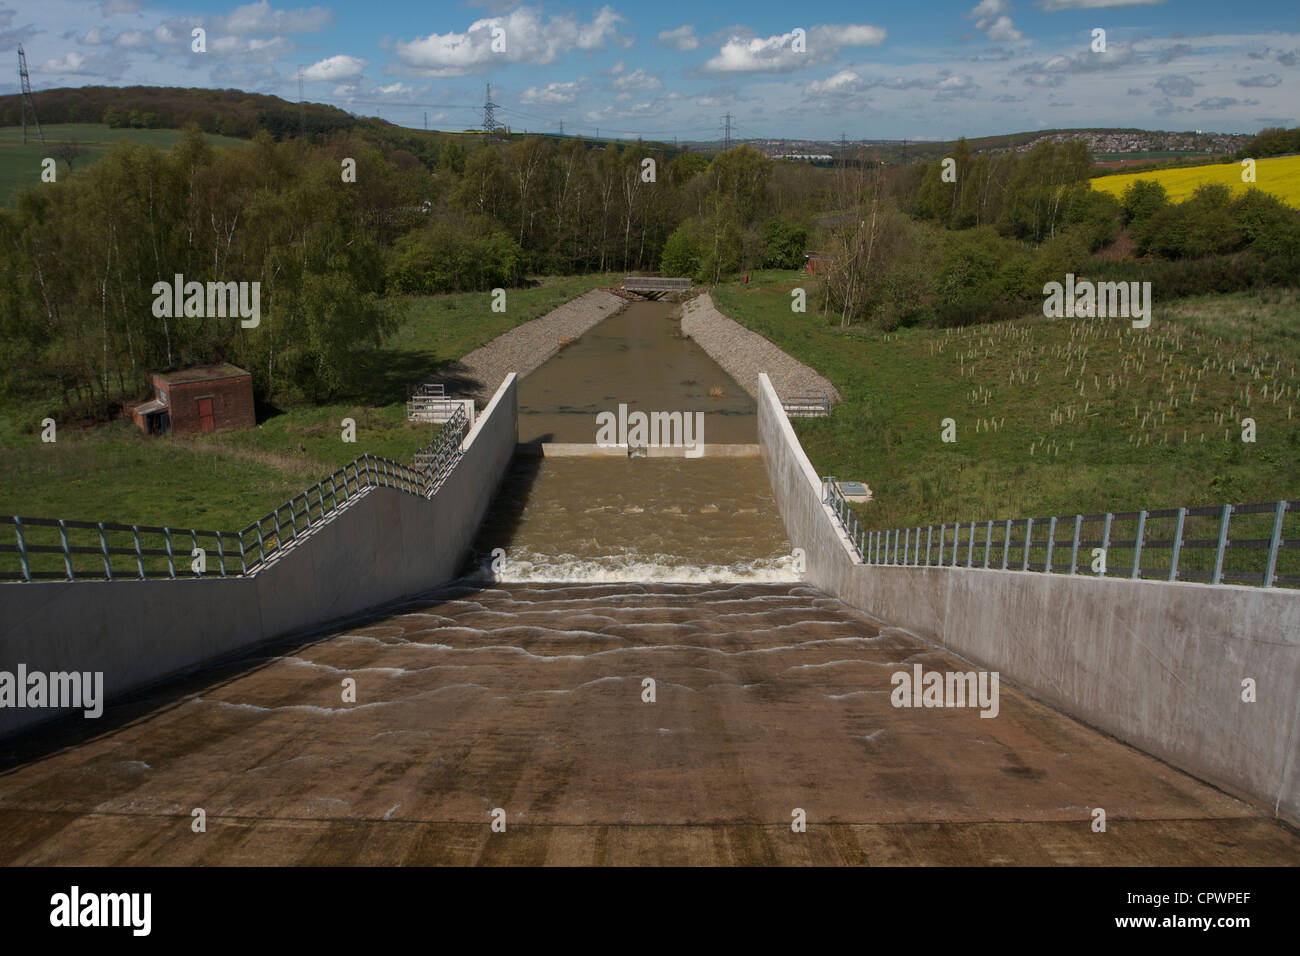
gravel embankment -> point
(743, 354)
(522, 349)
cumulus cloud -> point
(528, 39)
(81, 64)
(1267, 80)
(335, 69)
(1093, 4)
(1217, 103)
(683, 38)
(638, 79)
(260, 18)
(990, 16)
(1176, 84)
(955, 85)
(843, 82)
(552, 94)
(775, 54)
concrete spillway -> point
(529, 698)
(523, 688)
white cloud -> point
(775, 54)
(990, 16)
(845, 81)
(1002, 30)
(1093, 4)
(527, 40)
(552, 94)
(638, 79)
(683, 38)
(260, 18)
(335, 69)
(133, 39)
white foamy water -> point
(632, 566)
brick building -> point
(198, 399)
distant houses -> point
(199, 399)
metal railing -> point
(1255, 544)
(812, 403)
(655, 284)
(51, 549)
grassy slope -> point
(899, 387)
(225, 481)
(20, 166)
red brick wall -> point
(232, 403)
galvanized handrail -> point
(1109, 544)
(236, 553)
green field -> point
(223, 482)
(1053, 417)
(20, 166)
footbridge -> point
(654, 287)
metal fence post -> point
(1178, 545)
(970, 549)
(942, 529)
(103, 549)
(67, 555)
(1006, 544)
(1051, 541)
(1274, 543)
(22, 548)
(988, 542)
(929, 531)
(1223, 543)
(1029, 537)
(1074, 548)
(1137, 544)
(171, 560)
(907, 543)
(916, 556)
(139, 557)
(1105, 543)
(221, 554)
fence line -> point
(237, 553)
(1185, 544)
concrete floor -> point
(528, 698)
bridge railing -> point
(50, 549)
(655, 284)
(1254, 544)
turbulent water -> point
(695, 520)
(644, 519)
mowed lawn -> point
(1053, 417)
(1277, 175)
(20, 166)
(225, 481)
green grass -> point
(1034, 436)
(20, 166)
(225, 481)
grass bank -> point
(1052, 416)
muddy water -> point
(643, 519)
(637, 358)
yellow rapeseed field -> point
(1279, 175)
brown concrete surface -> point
(528, 698)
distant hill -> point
(224, 112)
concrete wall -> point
(1158, 665)
(381, 546)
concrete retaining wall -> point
(1158, 665)
(381, 546)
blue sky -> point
(929, 69)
